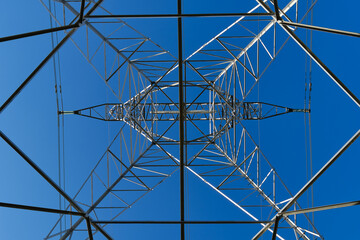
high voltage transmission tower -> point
(180, 115)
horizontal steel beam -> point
(179, 15)
(181, 222)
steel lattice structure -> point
(185, 114)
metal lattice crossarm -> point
(194, 111)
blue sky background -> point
(31, 122)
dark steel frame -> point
(182, 116)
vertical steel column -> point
(277, 219)
(181, 123)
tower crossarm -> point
(194, 111)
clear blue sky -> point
(31, 121)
